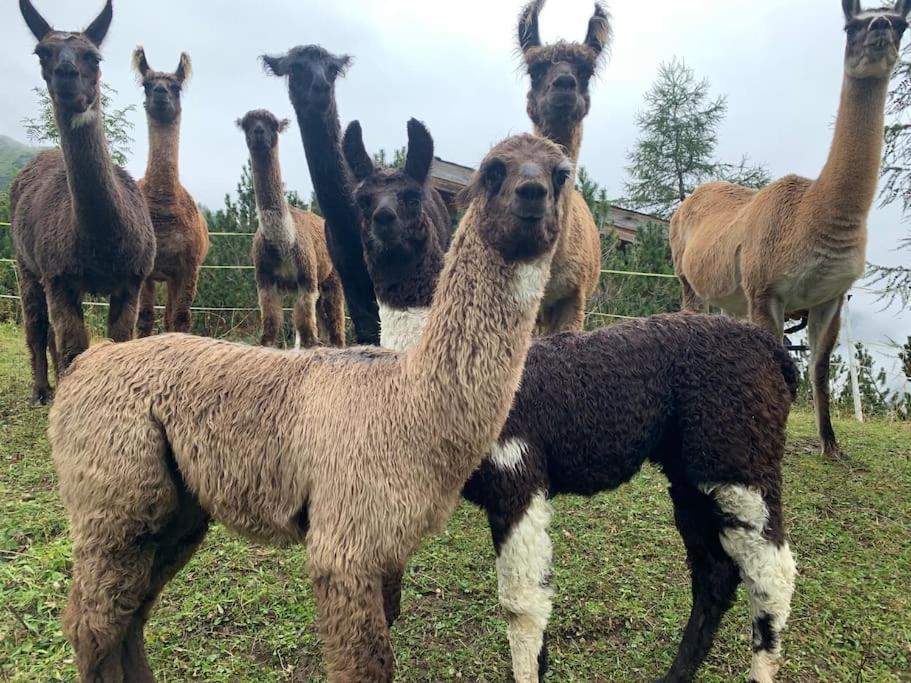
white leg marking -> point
(509, 455)
(768, 571)
(523, 568)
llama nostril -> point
(531, 191)
(66, 70)
(880, 24)
(384, 216)
(565, 82)
(160, 90)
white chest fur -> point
(400, 329)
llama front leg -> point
(565, 315)
(305, 318)
(392, 595)
(123, 312)
(64, 301)
(331, 312)
(823, 324)
(767, 311)
(181, 294)
(146, 321)
(353, 628)
(37, 330)
(691, 300)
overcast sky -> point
(454, 66)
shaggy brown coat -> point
(79, 223)
(357, 453)
(181, 231)
(797, 244)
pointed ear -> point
(851, 8)
(283, 125)
(359, 161)
(140, 63)
(36, 23)
(98, 29)
(344, 63)
(599, 29)
(274, 65)
(903, 7)
(239, 123)
(529, 33)
(184, 68)
(420, 151)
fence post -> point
(852, 364)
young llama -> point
(79, 223)
(289, 249)
(558, 101)
(797, 244)
(358, 453)
(311, 73)
(181, 231)
(705, 398)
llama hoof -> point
(835, 453)
(42, 397)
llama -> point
(798, 244)
(79, 223)
(358, 453)
(706, 398)
(289, 249)
(405, 232)
(558, 101)
(312, 72)
(181, 231)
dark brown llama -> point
(79, 223)
(558, 101)
(311, 73)
(289, 249)
(181, 231)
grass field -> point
(240, 612)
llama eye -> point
(494, 175)
(412, 202)
(561, 177)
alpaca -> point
(798, 244)
(358, 453)
(405, 232)
(558, 101)
(705, 398)
(79, 223)
(311, 73)
(181, 231)
(289, 249)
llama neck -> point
(274, 215)
(568, 137)
(467, 364)
(89, 170)
(162, 170)
(848, 181)
(404, 300)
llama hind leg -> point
(66, 316)
(713, 575)
(181, 293)
(753, 535)
(123, 312)
(145, 323)
(331, 312)
(37, 330)
(305, 318)
(270, 307)
(392, 595)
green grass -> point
(241, 612)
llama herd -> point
(473, 380)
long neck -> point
(162, 170)
(466, 367)
(89, 169)
(274, 214)
(569, 137)
(848, 180)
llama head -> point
(395, 228)
(262, 128)
(70, 61)
(162, 89)
(874, 37)
(311, 72)
(560, 73)
(516, 196)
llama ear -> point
(36, 23)
(851, 8)
(98, 29)
(274, 65)
(140, 63)
(344, 63)
(184, 68)
(283, 125)
(599, 29)
(355, 153)
(903, 7)
(529, 33)
(239, 123)
(420, 151)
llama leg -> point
(305, 318)
(332, 311)
(52, 347)
(65, 311)
(353, 628)
(123, 312)
(392, 595)
(767, 311)
(691, 300)
(523, 574)
(569, 313)
(181, 293)
(146, 322)
(713, 575)
(753, 535)
(823, 324)
(270, 307)
(37, 329)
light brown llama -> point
(289, 249)
(558, 101)
(358, 453)
(79, 223)
(181, 231)
(798, 244)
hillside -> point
(13, 156)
